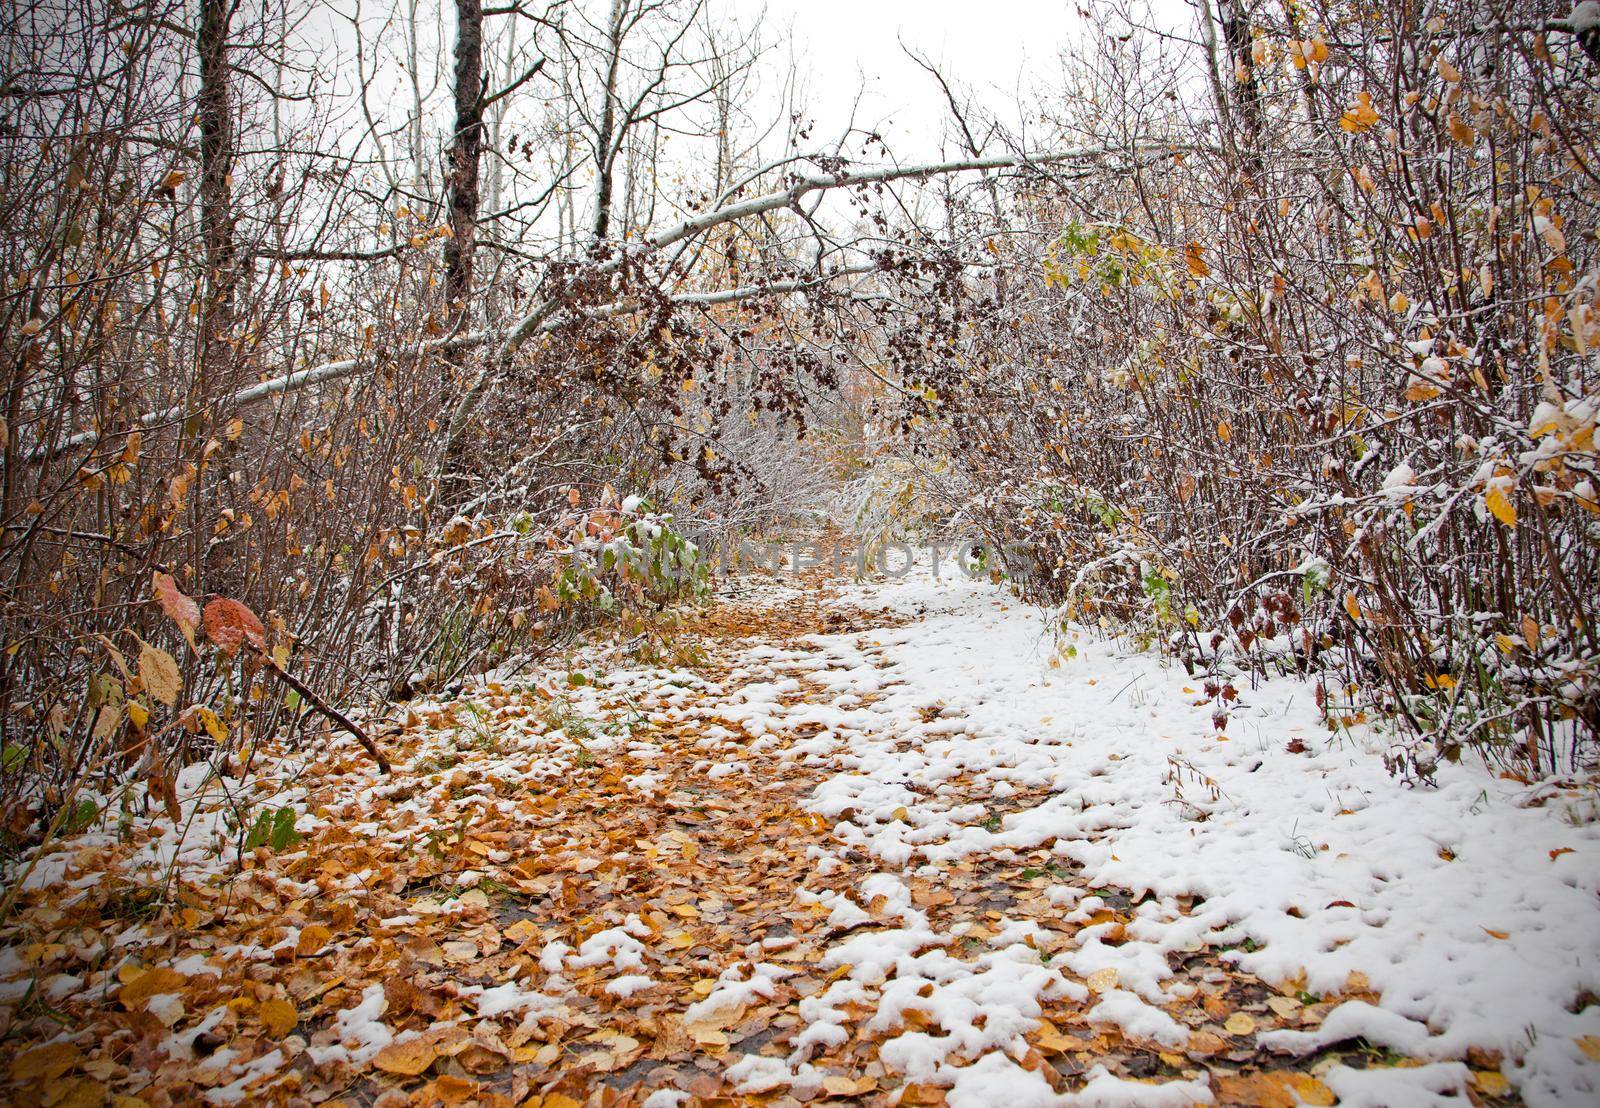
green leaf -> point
(260, 832)
(81, 815)
(283, 833)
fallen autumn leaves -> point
(598, 890)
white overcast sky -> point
(996, 48)
(988, 45)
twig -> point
(337, 717)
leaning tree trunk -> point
(466, 147)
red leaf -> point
(181, 609)
(230, 624)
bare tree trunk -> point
(1247, 93)
(605, 142)
(217, 152)
(466, 146)
(1208, 36)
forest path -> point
(865, 843)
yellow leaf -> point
(159, 672)
(1310, 1090)
(212, 723)
(1491, 1083)
(80, 1092)
(149, 983)
(1240, 1023)
(1501, 508)
(1103, 979)
(1493, 934)
(1351, 606)
(278, 1017)
(44, 1063)
(522, 931)
(138, 713)
(1590, 1045)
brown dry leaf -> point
(1283, 1006)
(839, 1085)
(522, 931)
(706, 1034)
(408, 1058)
(79, 1092)
(450, 1089)
(1272, 1090)
(1254, 1090)
(460, 951)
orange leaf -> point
(230, 625)
(312, 939)
(181, 609)
(1359, 116)
(408, 1059)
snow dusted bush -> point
(626, 555)
(1321, 394)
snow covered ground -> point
(1469, 908)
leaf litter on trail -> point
(586, 892)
